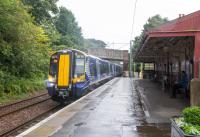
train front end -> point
(67, 75)
(59, 83)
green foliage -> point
(192, 115)
(152, 22)
(190, 129)
(61, 47)
(66, 40)
(190, 122)
(51, 32)
(67, 26)
(22, 44)
(23, 50)
(93, 43)
(29, 31)
(18, 88)
(41, 10)
(187, 128)
(13, 85)
(65, 22)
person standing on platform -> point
(182, 84)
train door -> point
(79, 66)
(93, 69)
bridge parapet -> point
(120, 57)
(109, 53)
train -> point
(73, 73)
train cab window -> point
(79, 65)
(53, 65)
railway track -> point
(18, 116)
(10, 108)
(15, 115)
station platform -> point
(157, 104)
(112, 110)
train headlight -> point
(51, 79)
(74, 80)
(79, 79)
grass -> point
(21, 90)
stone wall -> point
(195, 92)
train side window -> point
(93, 69)
(107, 68)
(101, 68)
(110, 69)
(79, 65)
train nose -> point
(50, 86)
(63, 71)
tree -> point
(152, 22)
(52, 32)
(93, 43)
(42, 10)
(23, 45)
(67, 26)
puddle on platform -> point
(154, 130)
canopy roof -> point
(169, 37)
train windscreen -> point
(53, 65)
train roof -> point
(87, 55)
(94, 57)
(80, 52)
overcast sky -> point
(111, 20)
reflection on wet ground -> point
(154, 130)
(160, 108)
(144, 129)
(113, 112)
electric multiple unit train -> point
(73, 72)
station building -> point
(173, 47)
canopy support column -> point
(197, 55)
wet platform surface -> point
(112, 110)
(158, 103)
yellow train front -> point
(73, 72)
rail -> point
(15, 115)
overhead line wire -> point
(134, 13)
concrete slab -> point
(157, 103)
